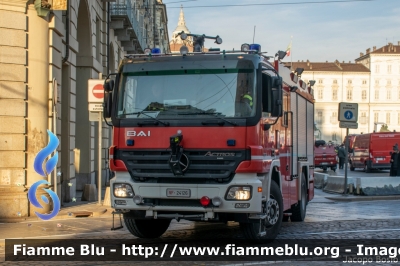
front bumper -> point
(380, 165)
(156, 193)
(322, 165)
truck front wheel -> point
(146, 228)
(274, 211)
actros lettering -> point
(220, 154)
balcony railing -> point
(124, 10)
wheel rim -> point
(272, 211)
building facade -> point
(47, 57)
(384, 65)
(373, 82)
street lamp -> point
(280, 54)
(299, 71)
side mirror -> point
(277, 97)
(107, 104)
(108, 85)
(266, 93)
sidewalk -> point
(81, 208)
(375, 186)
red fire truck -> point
(372, 150)
(210, 136)
(325, 156)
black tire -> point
(300, 209)
(351, 167)
(250, 230)
(324, 169)
(285, 219)
(146, 228)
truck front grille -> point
(152, 166)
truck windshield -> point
(188, 94)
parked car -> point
(325, 156)
(373, 150)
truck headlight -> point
(123, 191)
(238, 193)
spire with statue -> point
(176, 42)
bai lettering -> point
(134, 133)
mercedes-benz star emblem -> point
(184, 162)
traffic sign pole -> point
(99, 155)
(95, 101)
(348, 117)
(346, 160)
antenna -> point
(254, 33)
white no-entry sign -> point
(95, 90)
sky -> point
(320, 30)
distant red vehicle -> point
(325, 156)
(351, 137)
(373, 150)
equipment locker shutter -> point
(293, 107)
(310, 133)
(302, 126)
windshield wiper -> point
(209, 113)
(143, 113)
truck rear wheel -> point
(251, 230)
(146, 228)
(299, 210)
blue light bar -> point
(255, 47)
(156, 51)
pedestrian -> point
(395, 162)
(342, 156)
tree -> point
(384, 128)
